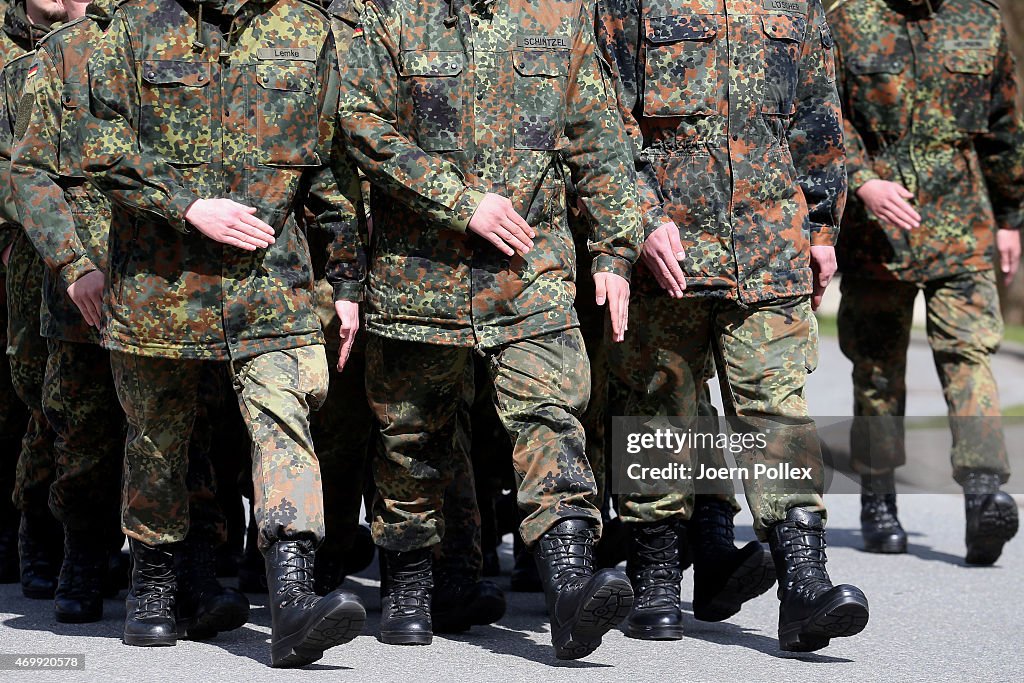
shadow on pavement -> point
(725, 633)
(851, 538)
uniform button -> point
(736, 61)
(479, 96)
(233, 339)
(735, 138)
(201, 78)
(151, 74)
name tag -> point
(543, 42)
(785, 6)
(976, 44)
(295, 54)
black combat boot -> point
(10, 572)
(303, 624)
(653, 569)
(583, 606)
(204, 607)
(406, 587)
(812, 609)
(879, 525)
(724, 576)
(79, 595)
(40, 548)
(150, 601)
(460, 602)
(992, 517)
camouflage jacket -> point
(930, 104)
(235, 101)
(66, 218)
(733, 108)
(16, 38)
(443, 102)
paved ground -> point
(932, 618)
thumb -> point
(676, 245)
(904, 192)
(602, 290)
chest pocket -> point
(69, 150)
(433, 85)
(878, 90)
(287, 121)
(681, 74)
(970, 88)
(783, 37)
(174, 121)
(541, 78)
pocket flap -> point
(72, 97)
(670, 29)
(970, 62)
(162, 72)
(541, 62)
(420, 63)
(783, 27)
(877, 64)
(285, 77)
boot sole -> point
(752, 578)
(600, 612)
(218, 620)
(846, 615)
(79, 617)
(654, 632)
(401, 638)
(998, 526)
(149, 641)
(337, 627)
(890, 546)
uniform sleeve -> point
(334, 198)
(600, 158)
(619, 36)
(1001, 149)
(816, 132)
(45, 213)
(8, 115)
(858, 164)
(111, 152)
(369, 88)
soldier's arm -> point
(1001, 149)
(45, 213)
(858, 164)
(600, 157)
(816, 132)
(111, 152)
(369, 85)
(334, 198)
(619, 35)
(8, 114)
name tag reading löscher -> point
(295, 54)
(543, 42)
(785, 6)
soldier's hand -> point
(889, 202)
(348, 315)
(662, 253)
(823, 267)
(497, 222)
(6, 255)
(614, 289)
(87, 293)
(231, 223)
(1008, 244)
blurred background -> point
(1013, 300)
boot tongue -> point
(804, 517)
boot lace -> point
(714, 528)
(296, 581)
(658, 576)
(880, 510)
(572, 556)
(409, 588)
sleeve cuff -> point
(653, 220)
(71, 273)
(823, 235)
(465, 207)
(606, 263)
(181, 202)
(348, 291)
(861, 176)
(1013, 220)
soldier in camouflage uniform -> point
(936, 165)
(39, 537)
(67, 221)
(472, 252)
(213, 137)
(733, 109)
(15, 39)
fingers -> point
(237, 239)
(262, 229)
(512, 215)
(660, 271)
(496, 240)
(675, 244)
(819, 294)
(901, 214)
(513, 236)
(94, 304)
(601, 291)
(1009, 263)
(345, 350)
(618, 311)
(903, 192)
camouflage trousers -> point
(276, 392)
(964, 328)
(27, 353)
(763, 354)
(541, 388)
(81, 405)
(13, 418)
